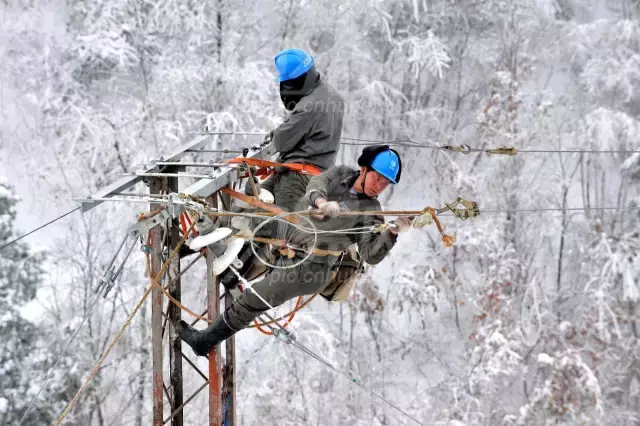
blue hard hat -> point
(292, 63)
(387, 164)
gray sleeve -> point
(373, 248)
(294, 128)
(321, 185)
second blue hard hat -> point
(387, 164)
(292, 63)
(383, 160)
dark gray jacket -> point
(335, 185)
(311, 133)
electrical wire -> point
(432, 145)
(39, 228)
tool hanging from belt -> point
(267, 168)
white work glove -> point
(328, 208)
(403, 224)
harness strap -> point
(267, 167)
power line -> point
(556, 209)
(481, 212)
(39, 228)
(465, 149)
(414, 144)
(407, 142)
(468, 149)
(577, 151)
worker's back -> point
(322, 112)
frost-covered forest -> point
(532, 318)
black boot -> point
(201, 341)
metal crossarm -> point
(207, 185)
(223, 177)
(127, 182)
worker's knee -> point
(281, 285)
(310, 277)
(269, 183)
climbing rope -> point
(180, 305)
(173, 300)
(276, 321)
(469, 209)
(95, 370)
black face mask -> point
(291, 91)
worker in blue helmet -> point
(338, 189)
(310, 133)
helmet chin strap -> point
(364, 178)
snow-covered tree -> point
(24, 355)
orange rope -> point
(147, 215)
(447, 240)
(257, 325)
(285, 315)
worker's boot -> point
(201, 341)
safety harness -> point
(267, 168)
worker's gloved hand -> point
(328, 208)
(269, 136)
(403, 224)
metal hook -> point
(470, 208)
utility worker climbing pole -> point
(311, 133)
(338, 189)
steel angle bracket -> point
(191, 202)
(143, 226)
